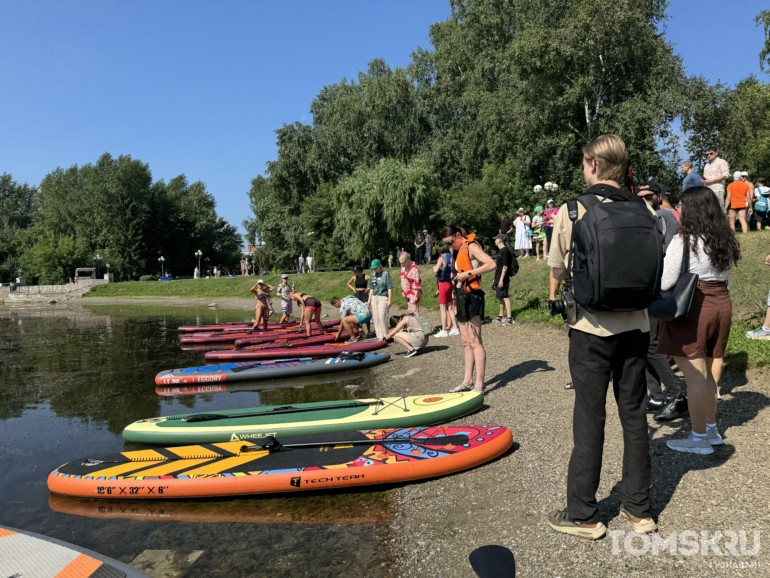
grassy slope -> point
(749, 286)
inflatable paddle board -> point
(271, 369)
(25, 553)
(325, 350)
(291, 464)
(258, 335)
(231, 326)
(303, 418)
(238, 510)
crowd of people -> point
(626, 348)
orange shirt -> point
(739, 191)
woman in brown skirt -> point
(698, 342)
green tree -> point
(16, 203)
(381, 206)
(51, 259)
(746, 129)
(764, 54)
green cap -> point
(375, 263)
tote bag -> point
(675, 303)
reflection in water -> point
(72, 377)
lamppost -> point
(97, 259)
(108, 271)
(550, 189)
(161, 260)
(199, 254)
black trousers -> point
(593, 361)
(658, 368)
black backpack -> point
(616, 252)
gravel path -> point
(438, 523)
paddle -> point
(272, 445)
(276, 411)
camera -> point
(566, 306)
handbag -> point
(675, 303)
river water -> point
(71, 377)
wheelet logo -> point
(726, 543)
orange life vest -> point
(462, 261)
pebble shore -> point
(438, 524)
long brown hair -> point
(702, 217)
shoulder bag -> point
(675, 303)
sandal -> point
(462, 387)
(569, 385)
(480, 390)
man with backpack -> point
(608, 248)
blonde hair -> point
(609, 152)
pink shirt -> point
(549, 216)
(714, 169)
(411, 283)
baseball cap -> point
(502, 236)
(357, 268)
(744, 174)
(260, 281)
(736, 175)
(549, 201)
(284, 276)
(375, 263)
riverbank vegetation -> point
(502, 100)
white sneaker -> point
(759, 333)
(691, 445)
(454, 332)
(712, 435)
(441, 333)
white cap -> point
(260, 281)
(549, 201)
(744, 174)
(736, 175)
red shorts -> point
(444, 292)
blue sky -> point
(198, 87)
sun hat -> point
(375, 263)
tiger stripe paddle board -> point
(303, 418)
(292, 464)
(268, 369)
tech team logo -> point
(295, 481)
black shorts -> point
(469, 305)
(501, 292)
